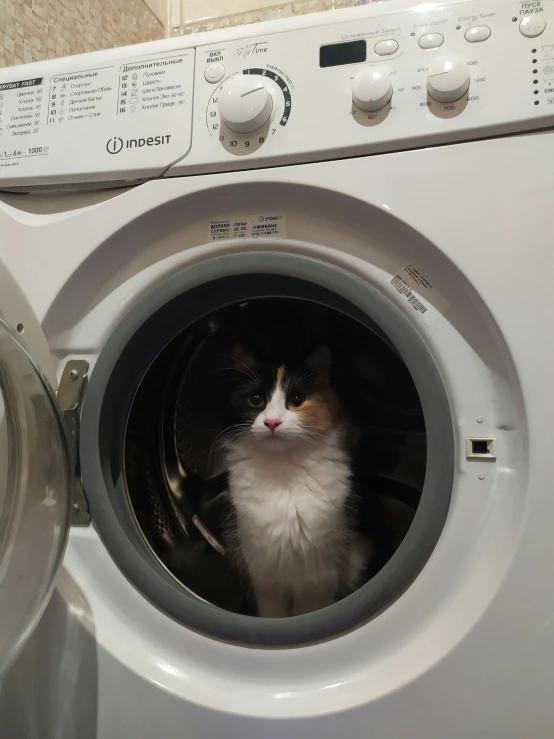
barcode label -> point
(401, 287)
(419, 291)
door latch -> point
(70, 396)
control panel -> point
(96, 117)
(424, 75)
(384, 77)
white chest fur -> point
(292, 522)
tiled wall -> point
(32, 30)
(194, 16)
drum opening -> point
(175, 472)
(151, 412)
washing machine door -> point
(35, 480)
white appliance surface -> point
(461, 190)
(128, 114)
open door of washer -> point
(35, 477)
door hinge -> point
(70, 396)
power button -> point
(214, 72)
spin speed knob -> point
(371, 89)
(245, 103)
(448, 79)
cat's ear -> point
(243, 358)
(320, 360)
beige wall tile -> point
(32, 30)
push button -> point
(431, 41)
(386, 48)
(477, 33)
(214, 72)
(532, 25)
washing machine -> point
(381, 170)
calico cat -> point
(290, 485)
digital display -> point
(351, 52)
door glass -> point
(35, 493)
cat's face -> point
(284, 405)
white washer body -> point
(468, 650)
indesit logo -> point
(116, 144)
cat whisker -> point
(232, 433)
(212, 428)
(300, 375)
(248, 370)
(236, 428)
(247, 384)
(311, 437)
(316, 431)
(239, 375)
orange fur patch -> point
(320, 411)
(280, 373)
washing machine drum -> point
(174, 467)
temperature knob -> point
(448, 79)
(371, 89)
(245, 103)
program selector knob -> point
(448, 79)
(371, 89)
(245, 103)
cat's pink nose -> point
(272, 424)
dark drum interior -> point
(175, 477)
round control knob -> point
(245, 103)
(371, 89)
(448, 79)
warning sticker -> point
(419, 293)
(261, 225)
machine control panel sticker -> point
(69, 123)
(420, 293)
(261, 225)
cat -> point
(289, 480)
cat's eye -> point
(255, 400)
(296, 400)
